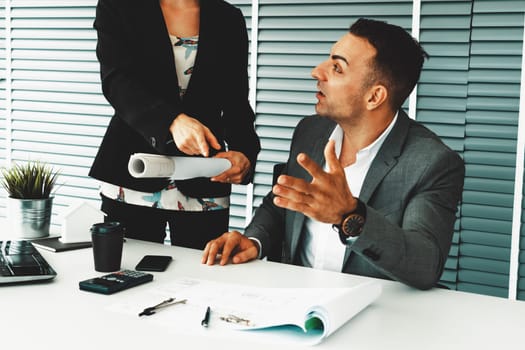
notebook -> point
(21, 262)
(55, 245)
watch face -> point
(353, 225)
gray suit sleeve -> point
(410, 241)
(270, 224)
(267, 226)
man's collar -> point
(337, 136)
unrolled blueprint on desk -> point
(306, 315)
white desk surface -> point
(57, 315)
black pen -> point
(206, 320)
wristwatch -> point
(352, 223)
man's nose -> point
(317, 72)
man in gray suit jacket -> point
(366, 190)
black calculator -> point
(115, 281)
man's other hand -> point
(230, 244)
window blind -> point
(520, 295)
(238, 198)
(442, 90)
(490, 146)
(58, 112)
(3, 102)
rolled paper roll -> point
(145, 165)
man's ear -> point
(377, 95)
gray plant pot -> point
(29, 218)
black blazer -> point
(140, 81)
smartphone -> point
(154, 263)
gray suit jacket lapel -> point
(385, 160)
(386, 157)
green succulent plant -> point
(31, 180)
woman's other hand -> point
(236, 173)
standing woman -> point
(176, 74)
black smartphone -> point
(153, 263)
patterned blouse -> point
(185, 51)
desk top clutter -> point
(64, 317)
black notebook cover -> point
(54, 244)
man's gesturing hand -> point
(326, 198)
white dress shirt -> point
(320, 247)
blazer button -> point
(153, 141)
(371, 254)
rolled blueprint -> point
(144, 165)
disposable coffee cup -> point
(107, 239)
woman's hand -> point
(191, 136)
(236, 173)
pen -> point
(206, 320)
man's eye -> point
(337, 68)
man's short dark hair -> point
(399, 58)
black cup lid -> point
(106, 227)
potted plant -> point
(30, 190)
